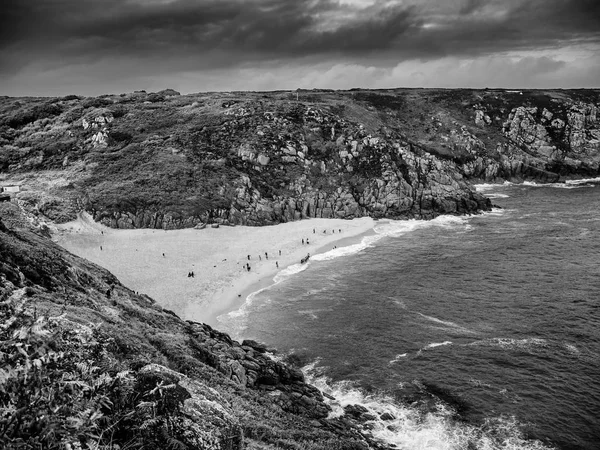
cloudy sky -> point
(91, 47)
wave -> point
(397, 358)
(513, 344)
(388, 228)
(288, 272)
(569, 184)
(584, 181)
(445, 322)
(312, 313)
(366, 242)
(489, 186)
(416, 428)
(496, 195)
(437, 344)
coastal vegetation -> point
(163, 160)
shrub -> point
(61, 388)
(96, 102)
(24, 117)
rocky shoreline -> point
(170, 161)
(206, 390)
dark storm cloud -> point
(263, 25)
(201, 34)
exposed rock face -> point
(164, 160)
(250, 367)
(206, 419)
(166, 382)
(358, 174)
(543, 146)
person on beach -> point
(302, 241)
(100, 248)
(314, 231)
(248, 257)
(163, 253)
(279, 252)
(276, 264)
(192, 274)
(266, 255)
(259, 258)
(307, 241)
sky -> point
(94, 47)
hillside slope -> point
(85, 362)
(164, 160)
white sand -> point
(216, 256)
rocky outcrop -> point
(134, 374)
(164, 160)
(543, 143)
(206, 419)
(249, 366)
(344, 173)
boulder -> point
(206, 419)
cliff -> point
(87, 363)
(163, 160)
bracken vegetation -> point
(73, 376)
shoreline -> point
(237, 302)
(156, 262)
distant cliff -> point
(163, 160)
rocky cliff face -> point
(116, 369)
(169, 161)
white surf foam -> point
(490, 186)
(366, 242)
(416, 429)
(437, 344)
(388, 228)
(288, 272)
(447, 324)
(583, 181)
(572, 349)
(397, 358)
(569, 184)
(512, 344)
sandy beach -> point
(157, 262)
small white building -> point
(14, 189)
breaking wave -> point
(417, 428)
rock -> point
(387, 416)
(263, 160)
(261, 348)
(168, 93)
(206, 420)
(214, 225)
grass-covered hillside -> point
(167, 160)
(85, 363)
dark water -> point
(480, 332)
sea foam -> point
(414, 428)
(387, 228)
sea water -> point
(472, 332)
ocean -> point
(479, 332)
